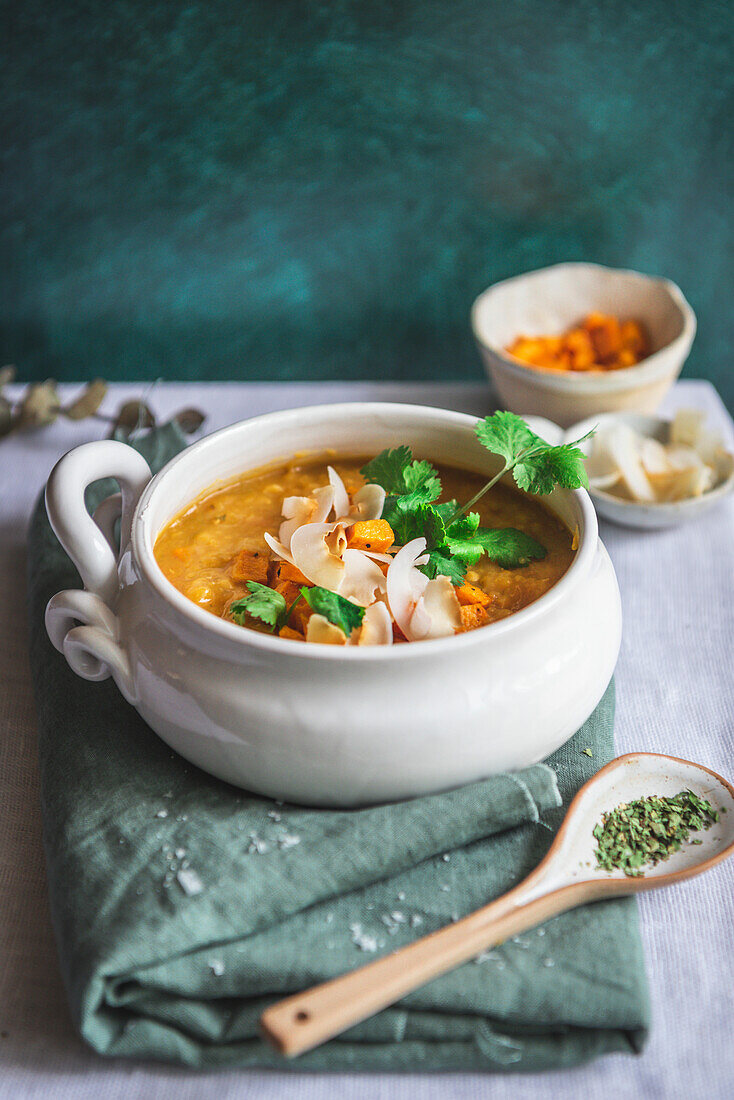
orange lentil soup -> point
(198, 551)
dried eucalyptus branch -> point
(41, 405)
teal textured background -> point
(280, 190)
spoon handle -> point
(307, 1019)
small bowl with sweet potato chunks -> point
(576, 339)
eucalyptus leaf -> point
(189, 420)
(131, 417)
(40, 405)
(88, 401)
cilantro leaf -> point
(422, 481)
(540, 473)
(447, 509)
(461, 539)
(388, 469)
(403, 477)
(441, 563)
(421, 521)
(509, 547)
(263, 603)
(339, 611)
(507, 435)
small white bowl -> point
(319, 724)
(630, 513)
(548, 302)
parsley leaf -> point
(263, 603)
(339, 611)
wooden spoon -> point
(567, 877)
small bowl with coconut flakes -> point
(648, 472)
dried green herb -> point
(649, 830)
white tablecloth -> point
(674, 695)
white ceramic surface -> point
(549, 301)
(325, 725)
(630, 513)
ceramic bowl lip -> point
(142, 540)
(672, 508)
(603, 381)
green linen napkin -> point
(183, 906)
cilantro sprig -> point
(454, 538)
(263, 603)
(269, 607)
(338, 610)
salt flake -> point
(189, 882)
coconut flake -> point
(442, 608)
(318, 555)
(620, 445)
(341, 496)
(278, 548)
(376, 626)
(367, 503)
(406, 584)
(298, 511)
(320, 630)
(361, 579)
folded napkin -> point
(183, 906)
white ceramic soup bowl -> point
(317, 724)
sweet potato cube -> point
(605, 335)
(468, 594)
(472, 616)
(289, 590)
(284, 571)
(370, 534)
(288, 632)
(250, 565)
(300, 616)
(635, 340)
(580, 349)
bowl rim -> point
(603, 381)
(143, 538)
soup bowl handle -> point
(82, 624)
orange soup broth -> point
(196, 550)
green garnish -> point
(454, 539)
(270, 607)
(649, 830)
(536, 466)
(339, 611)
(401, 476)
(263, 603)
